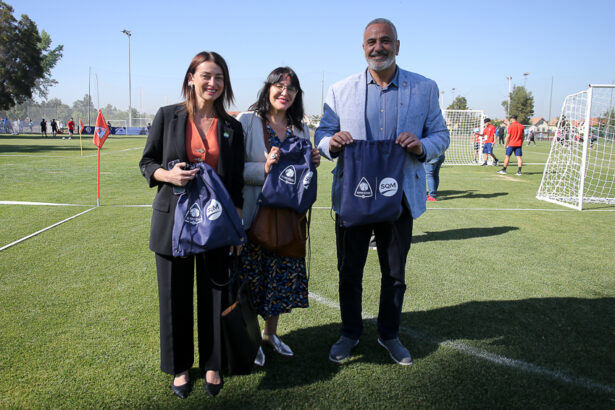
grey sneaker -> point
(397, 351)
(518, 173)
(502, 172)
(341, 349)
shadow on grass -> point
(568, 335)
(468, 194)
(532, 173)
(462, 233)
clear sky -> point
(469, 46)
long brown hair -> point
(227, 93)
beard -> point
(381, 65)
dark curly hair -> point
(262, 104)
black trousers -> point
(393, 242)
(176, 294)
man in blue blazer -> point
(379, 103)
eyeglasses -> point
(291, 89)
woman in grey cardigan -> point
(278, 284)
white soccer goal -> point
(118, 123)
(461, 125)
(581, 164)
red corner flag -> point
(102, 131)
(81, 127)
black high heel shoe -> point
(211, 389)
(182, 391)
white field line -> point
(64, 156)
(326, 208)
(500, 209)
(37, 203)
(44, 229)
(34, 156)
(490, 357)
(102, 153)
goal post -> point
(581, 164)
(462, 125)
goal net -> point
(581, 164)
(462, 125)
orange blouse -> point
(203, 150)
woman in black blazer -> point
(197, 130)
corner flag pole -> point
(101, 132)
(98, 180)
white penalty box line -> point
(485, 355)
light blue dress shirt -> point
(381, 109)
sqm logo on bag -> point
(194, 215)
(214, 210)
(307, 179)
(364, 189)
(289, 175)
(388, 187)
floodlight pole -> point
(128, 34)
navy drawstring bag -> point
(291, 183)
(205, 216)
(372, 182)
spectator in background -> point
(531, 138)
(501, 132)
(514, 143)
(54, 127)
(432, 175)
(44, 128)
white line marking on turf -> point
(36, 203)
(44, 229)
(484, 355)
(519, 209)
(326, 208)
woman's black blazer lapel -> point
(178, 127)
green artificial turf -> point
(510, 301)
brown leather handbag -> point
(280, 230)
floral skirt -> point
(277, 284)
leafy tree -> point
(314, 119)
(521, 104)
(80, 109)
(26, 59)
(50, 58)
(459, 103)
